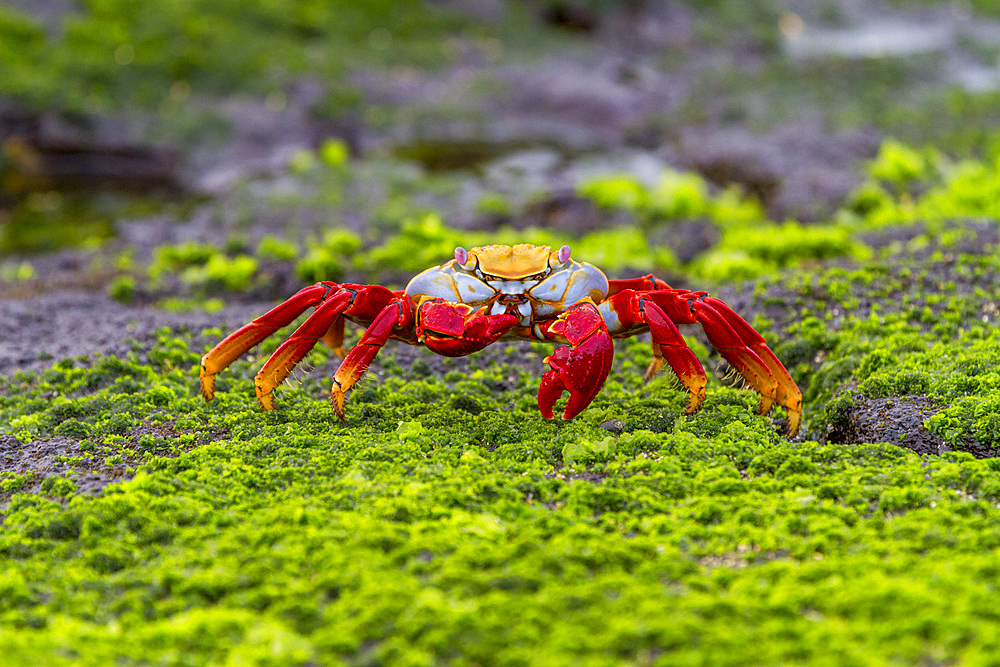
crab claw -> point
(454, 330)
(580, 367)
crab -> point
(494, 292)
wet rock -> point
(51, 13)
(897, 421)
(521, 172)
(35, 165)
(43, 150)
(977, 235)
(42, 459)
(459, 153)
(755, 176)
(33, 330)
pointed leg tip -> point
(765, 405)
(208, 386)
(792, 402)
(265, 398)
(695, 401)
(338, 401)
(794, 421)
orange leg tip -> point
(207, 385)
(794, 420)
(338, 401)
(695, 399)
(792, 402)
(765, 405)
(265, 397)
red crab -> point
(520, 291)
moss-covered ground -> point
(446, 522)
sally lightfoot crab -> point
(522, 291)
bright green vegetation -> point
(905, 187)
(448, 521)
(897, 331)
(908, 185)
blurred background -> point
(193, 153)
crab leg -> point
(451, 329)
(739, 344)
(788, 394)
(396, 314)
(633, 309)
(235, 344)
(646, 283)
(326, 323)
(292, 351)
(580, 367)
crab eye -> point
(461, 256)
(564, 253)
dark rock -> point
(898, 421)
(615, 426)
(800, 170)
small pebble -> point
(616, 426)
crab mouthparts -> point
(510, 299)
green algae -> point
(675, 196)
(907, 185)
(447, 521)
